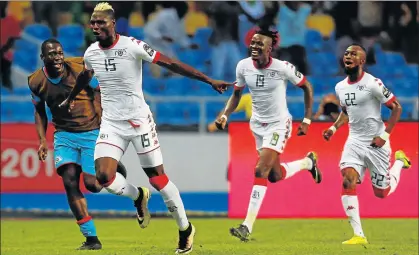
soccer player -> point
(368, 144)
(116, 61)
(76, 131)
(271, 123)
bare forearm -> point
(185, 70)
(232, 103)
(394, 117)
(341, 120)
(41, 123)
(308, 100)
(81, 82)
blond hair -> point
(104, 6)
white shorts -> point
(377, 160)
(273, 135)
(115, 136)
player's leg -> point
(353, 170)
(149, 153)
(67, 158)
(87, 143)
(383, 178)
(110, 147)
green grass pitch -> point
(271, 237)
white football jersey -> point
(268, 87)
(363, 100)
(119, 71)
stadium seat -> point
(313, 40)
(202, 36)
(21, 111)
(22, 91)
(39, 31)
(177, 113)
(175, 86)
(405, 87)
(323, 64)
(70, 46)
(73, 34)
(201, 89)
(28, 46)
(25, 60)
(390, 59)
(136, 32)
(122, 26)
(296, 109)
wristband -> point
(333, 129)
(307, 121)
(385, 136)
(224, 116)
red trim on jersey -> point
(360, 78)
(112, 145)
(302, 82)
(268, 65)
(113, 44)
(156, 57)
(147, 151)
(389, 102)
(133, 124)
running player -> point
(116, 61)
(271, 122)
(76, 131)
(368, 144)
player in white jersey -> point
(368, 144)
(116, 61)
(271, 121)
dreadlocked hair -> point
(273, 34)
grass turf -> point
(286, 236)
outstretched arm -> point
(188, 71)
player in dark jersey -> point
(76, 130)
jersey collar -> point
(267, 65)
(113, 44)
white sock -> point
(295, 166)
(171, 197)
(351, 207)
(395, 172)
(256, 199)
(121, 187)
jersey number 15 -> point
(110, 66)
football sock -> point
(351, 207)
(120, 186)
(172, 199)
(87, 227)
(294, 167)
(256, 199)
(395, 175)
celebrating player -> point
(76, 131)
(271, 123)
(116, 61)
(368, 145)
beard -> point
(353, 70)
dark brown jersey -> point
(85, 115)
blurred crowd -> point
(394, 25)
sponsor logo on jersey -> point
(148, 49)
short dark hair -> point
(273, 34)
(50, 40)
(359, 45)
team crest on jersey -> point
(58, 159)
(272, 74)
(386, 92)
(148, 49)
(360, 87)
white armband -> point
(385, 136)
(333, 129)
(307, 121)
(224, 116)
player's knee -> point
(350, 178)
(262, 170)
(103, 177)
(273, 176)
(92, 185)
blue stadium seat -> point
(70, 46)
(27, 46)
(212, 110)
(238, 116)
(296, 109)
(22, 91)
(404, 87)
(152, 85)
(25, 60)
(39, 31)
(202, 36)
(122, 26)
(411, 71)
(73, 34)
(201, 89)
(391, 58)
(136, 32)
(177, 113)
(175, 86)
(17, 111)
(323, 64)
(313, 40)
